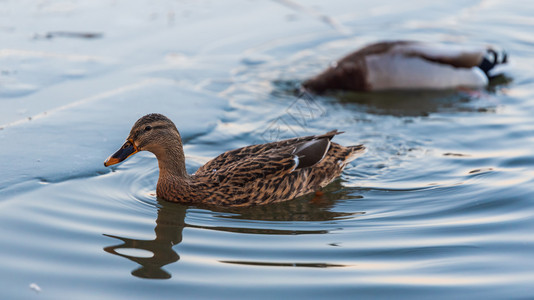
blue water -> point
(439, 206)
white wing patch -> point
(296, 160)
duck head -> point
(154, 133)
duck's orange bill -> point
(127, 150)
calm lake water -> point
(441, 205)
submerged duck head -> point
(154, 133)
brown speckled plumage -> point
(252, 175)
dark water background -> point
(440, 206)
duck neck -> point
(172, 163)
(173, 183)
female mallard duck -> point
(251, 175)
(408, 65)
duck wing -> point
(266, 161)
(458, 56)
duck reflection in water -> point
(170, 223)
(415, 103)
(410, 103)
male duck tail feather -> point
(492, 59)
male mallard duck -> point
(251, 175)
(408, 65)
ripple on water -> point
(439, 205)
(138, 177)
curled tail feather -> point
(492, 59)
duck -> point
(251, 175)
(401, 65)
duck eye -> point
(148, 128)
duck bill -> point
(127, 150)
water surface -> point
(439, 206)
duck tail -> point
(491, 59)
(354, 152)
